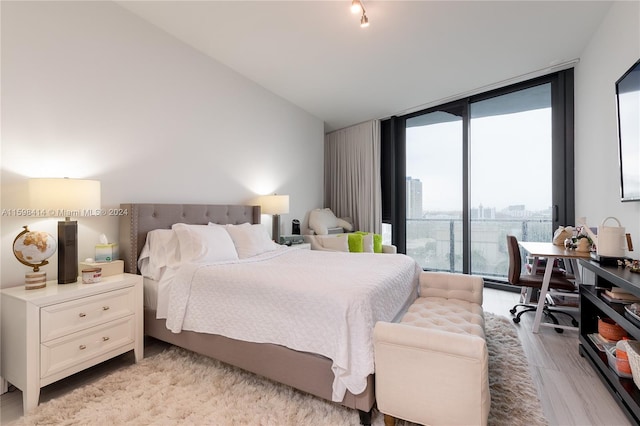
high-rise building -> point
(414, 198)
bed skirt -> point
(307, 372)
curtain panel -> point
(352, 175)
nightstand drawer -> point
(68, 317)
(70, 351)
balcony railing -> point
(436, 244)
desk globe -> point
(33, 248)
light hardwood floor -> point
(570, 391)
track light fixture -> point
(364, 21)
(358, 7)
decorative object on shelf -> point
(610, 330)
(33, 248)
(275, 205)
(631, 264)
(633, 353)
(580, 242)
(561, 235)
(64, 197)
(617, 363)
(611, 241)
(622, 357)
(583, 245)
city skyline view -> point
(415, 208)
(503, 147)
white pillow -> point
(338, 242)
(204, 244)
(161, 249)
(250, 240)
(367, 243)
(320, 220)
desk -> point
(551, 252)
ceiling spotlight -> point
(356, 6)
(364, 21)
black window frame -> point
(393, 157)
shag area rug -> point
(177, 387)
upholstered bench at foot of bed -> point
(432, 367)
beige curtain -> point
(352, 175)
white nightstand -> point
(56, 331)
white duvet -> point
(313, 301)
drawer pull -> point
(83, 347)
(104, 339)
(105, 308)
(82, 315)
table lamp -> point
(275, 205)
(64, 197)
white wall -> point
(91, 91)
(612, 50)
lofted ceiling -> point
(414, 53)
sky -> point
(510, 161)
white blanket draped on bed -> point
(313, 301)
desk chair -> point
(558, 282)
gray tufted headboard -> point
(142, 218)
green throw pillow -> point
(356, 243)
(377, 243)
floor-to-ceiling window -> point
(477, 169)
(434, 199)
(510, 174)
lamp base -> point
(275, 228)
(67, 252)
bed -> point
(304, 370)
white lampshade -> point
(63, 197)
(275, 204)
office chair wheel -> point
(516, 320)
(513, 311)
(554, 319)
(574, 323)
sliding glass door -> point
(474, 170)
(510, 175)
(434, 189)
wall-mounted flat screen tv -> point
(628, 105)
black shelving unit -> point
(592, 307)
